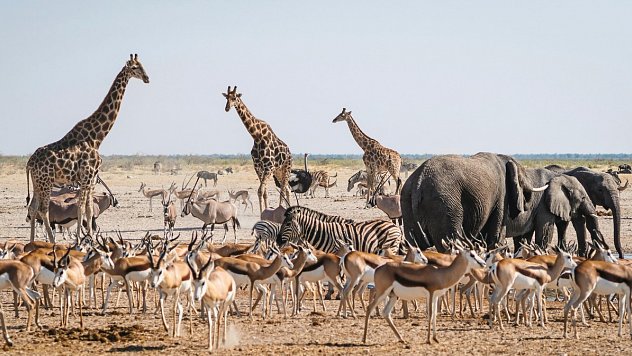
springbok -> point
(519, 274)
(601, 278)
(169, 214)
(70, 273)
(17, 276)
(243, 196)
(216, 289)
(148, 193)
(411, 281)
(170, 278)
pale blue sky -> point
(419, 76)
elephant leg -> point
(579, 223)
(545, 224)
(493, 227)
(561, 226)
(524, 239)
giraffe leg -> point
(262, 203)
(43, 212)
(81, 206)
(262, 192)
(89, 206)
(370, 180)
(33, 209)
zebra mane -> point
(317, 214)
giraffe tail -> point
(28, 187)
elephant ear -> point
(557, 199)
(515, 195)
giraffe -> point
(75, 158)
(377, 158)
(270, 155)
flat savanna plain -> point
(310, 332)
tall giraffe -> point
(377, 158)
(270, 155)
(75, 158)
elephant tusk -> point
(624, 187)
(540, 189)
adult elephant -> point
(603, 190)
(564, 201)
(453, 195)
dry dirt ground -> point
(310, 333)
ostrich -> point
(300, 180)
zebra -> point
(321, 178)
(360, 178)
(265, 233)
(328, 232)
(207, 175)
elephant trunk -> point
(592, 223)
(613, 204)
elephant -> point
(564, 201)
(603, 190)
(451, 195)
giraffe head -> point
(231, 97)
(343, 116)
(135, 69)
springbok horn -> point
(624, 187)
(203, 269)
(150, 254)
(188, 259)
(540, 189)
(193, 239)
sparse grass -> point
(14, 164)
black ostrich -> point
(300, 180)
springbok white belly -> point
(409, 293)
(185, 286)
(313, 275)
(138, 276)
(524, 282)
(45, 276)
(240, 279)
(606, 287)
(369, 275)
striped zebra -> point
(266, 233)
(321, 178)
(328, 232)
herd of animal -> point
(446, 234)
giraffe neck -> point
(94, 128)
(249, 120)
(360, 137)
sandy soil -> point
(319, 332)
